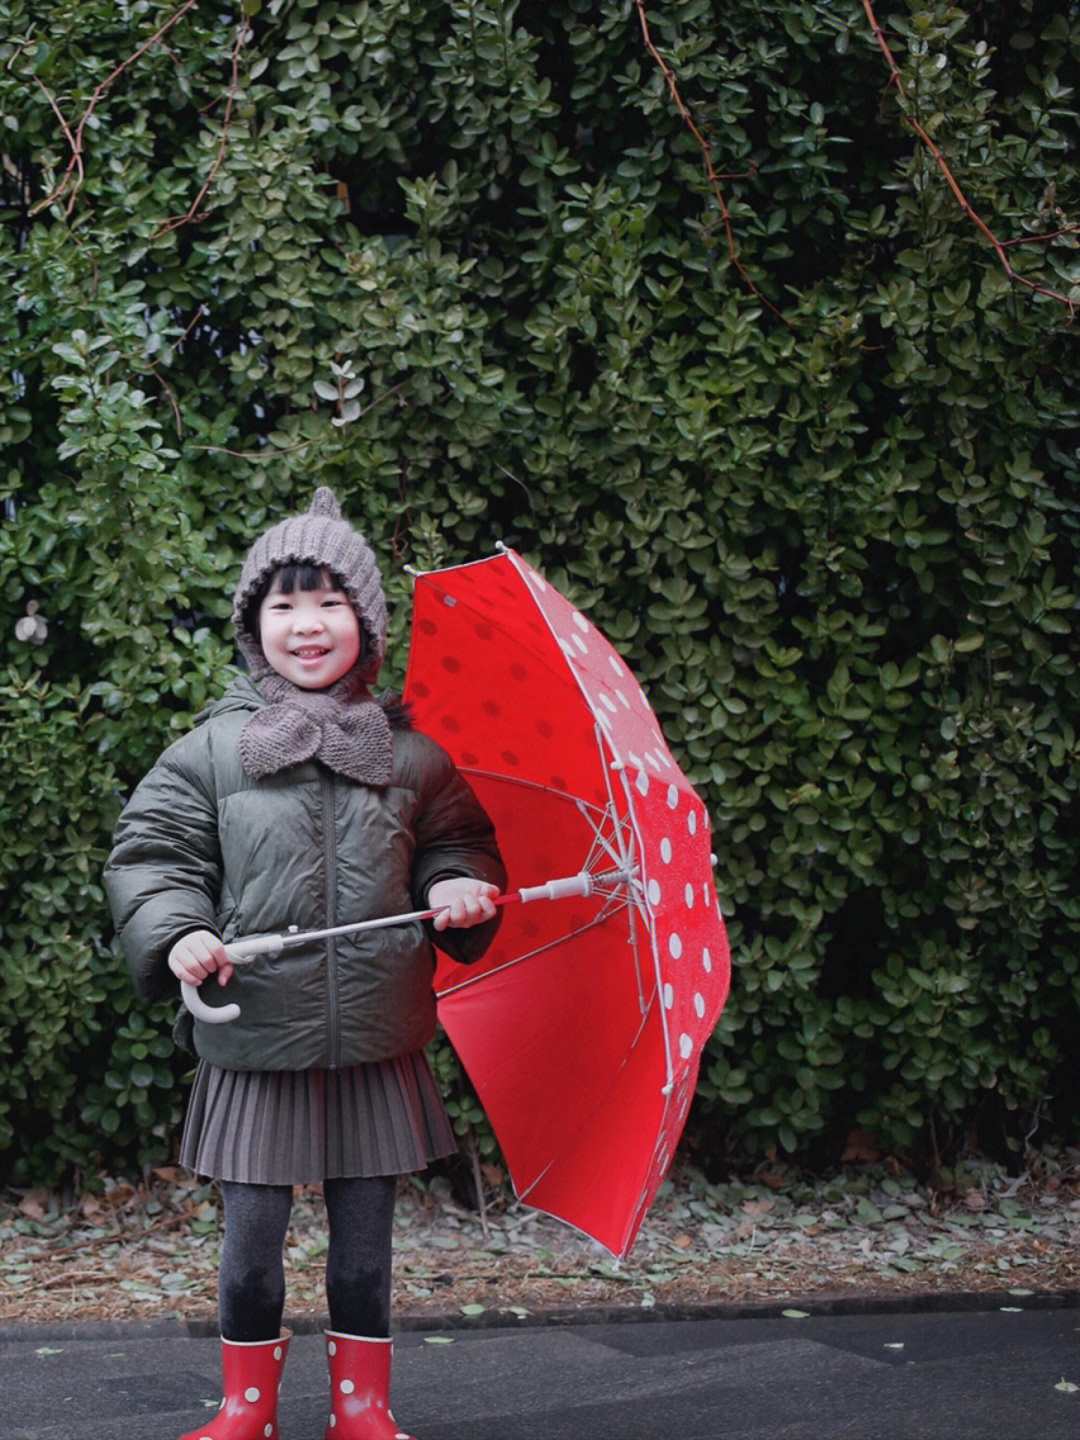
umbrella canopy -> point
(582, 1027)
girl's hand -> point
(468, 902)
(198, 955)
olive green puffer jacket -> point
(200, 845)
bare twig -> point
(75, 140)
(116, 1237)
(478, 1181)
(171, 399)
(258, 454)
(69, 137)
(511, 476)
(200, 311)
(711, 172)
(70, 1277)
(223, 144)
(998, 246)
(1041, 239)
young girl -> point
(298, 799)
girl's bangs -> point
(302, 575)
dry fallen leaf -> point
(758, 1207)
(861, 1149)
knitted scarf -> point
(343, 726)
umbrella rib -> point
(529, 955)
(614, 900)
(632, 865)
(624, 828)
(600, 844)
(617, 851)
(624, 823)
(623, 855)
(497, 775)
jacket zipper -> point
(330, 861)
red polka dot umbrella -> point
(582, 1027)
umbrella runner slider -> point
(250, 947)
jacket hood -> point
(241, 696)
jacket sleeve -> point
(454, 837)
(163, 876)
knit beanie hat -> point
(341, 725)
(323, 538)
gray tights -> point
(251, 1281)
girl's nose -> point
(307, 622)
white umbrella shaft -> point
(248, 947)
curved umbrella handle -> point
(210, 1014)
(240, 952)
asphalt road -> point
(965, 1374)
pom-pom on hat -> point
(324, 538)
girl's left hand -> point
(467, 902)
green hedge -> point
(463, 262)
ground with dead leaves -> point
(139, 1252)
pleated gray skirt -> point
(298, 1127)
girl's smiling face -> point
(312, 637)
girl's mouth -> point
(310, 652)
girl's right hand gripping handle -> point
(240, 954)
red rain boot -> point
(360, 1389)
(252, 1374)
